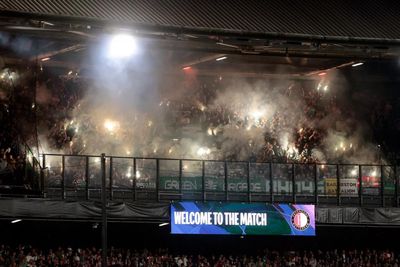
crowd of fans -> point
(30, 256)
(306, 113)
(11, 166)
(204, 108)
(63, 98)
(212, 106)
(14, 167)
(15, 112)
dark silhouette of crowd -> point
(16, 120)
(61, 256)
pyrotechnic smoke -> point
(127, 112)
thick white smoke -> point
(128, 109)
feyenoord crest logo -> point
(300, 220)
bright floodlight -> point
(357, 64)
(221, 58)
(122, 46)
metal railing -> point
(132, 178)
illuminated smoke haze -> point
(131, 108)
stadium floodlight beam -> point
(15, 221)
(122, 46)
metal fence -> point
(129, 179)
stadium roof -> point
(335, 20)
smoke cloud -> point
(127, 108)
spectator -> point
(29, 256)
